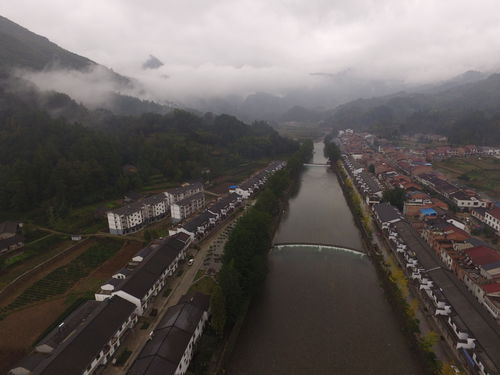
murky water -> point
(321, 312)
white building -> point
(492, 218)
(187, 206)
(135, 216)
(463, 200)
(176, 194)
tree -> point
(371, 168)
(332, 152)
(396, 197)
(218, 308)
(231, 289)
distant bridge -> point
(318, 246)
(316, 165)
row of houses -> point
(201, 225)
(172, 344)
(473, 338)
(136, 215)
(367, 184)
(90, 336)
(437, 252)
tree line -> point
(53, 165)
(245, 253)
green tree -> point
(396, 197)
(218, 308)
(233, 294)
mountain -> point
(24, 49)
(26, 56)
(466, 113)
(152, 63)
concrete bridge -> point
(317, 245)
(316, 165)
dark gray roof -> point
(155, 199)
(77, 353)
(188, 200)
(386, 212)
(128, 209)
(196, 222)
(183, 189)
(162, 354)
(148, 272)
(59, 334)
(222, 203)
(152, 365)
(475, 317)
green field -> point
(482, 174)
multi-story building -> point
(176, 194)
(187, 206)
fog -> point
(218, 48)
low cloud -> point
(238, 47)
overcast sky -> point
(245, 45)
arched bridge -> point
(317, 245)
(316, 165)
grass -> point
(205, 285)
(482, 174)
(63, 278)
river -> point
(321, 312)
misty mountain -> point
(329, 91)
(65, 79)
(467, 113)
(301, 114)
(23, 49)
(152, 63)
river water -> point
(321, 312)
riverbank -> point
(392, 279)
(310, 316)
(245, 264)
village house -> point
(91, 338)
(150, 275)
(10, 237)
(466, 201)
(386, 214)
(173, 342)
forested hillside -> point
(55, 165)
(468, 113)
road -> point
(137, 338)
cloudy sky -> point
(241, 46)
